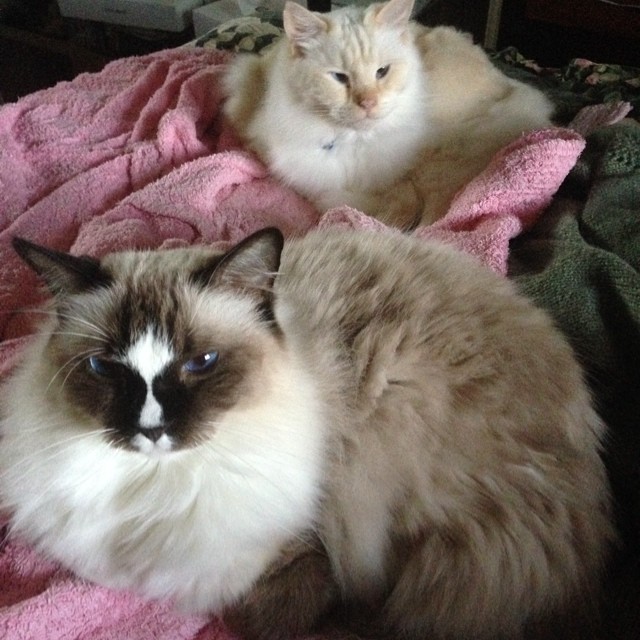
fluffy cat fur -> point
(359, 421)
(362, 106)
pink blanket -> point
(138, 156)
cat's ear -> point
(63, 273)
(302, 26)
(251, 266)
(395, 13)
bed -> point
(139, 156)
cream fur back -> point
(476, 110)
(447, 110)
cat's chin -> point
(358, 120)
(364, 125)
(366, 122)
(164, 446)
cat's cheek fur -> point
(221, 511)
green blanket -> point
(582, 263)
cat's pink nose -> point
(368, 103)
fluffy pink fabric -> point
(138, 156)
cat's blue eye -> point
(202, 363)
(101, 366)
(382, 72)
(342, 78)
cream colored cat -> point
(364, 107)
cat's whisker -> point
(103, 333)
(42, 310)
(74, 361)
(73, 367)
(56, 313)
(58, 444)
(117, 442)
(77, 334)
(200, 298)
(84, 320)
(38, 310)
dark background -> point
(39, 48)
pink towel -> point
(138, 156)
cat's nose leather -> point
(368, 104)
(154, 434)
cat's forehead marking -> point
(149, 355)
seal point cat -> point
(352, 421)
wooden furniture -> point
(492, 28)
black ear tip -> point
(272, 234)
(19, 243)
(275, 233)
(30, 251)
(22, 247)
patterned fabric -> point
(577, 84)
(249, 33)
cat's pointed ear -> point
(251, 266)
(254, 262)
(63, 273)
(302, 26)
(395, 13)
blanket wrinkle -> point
(139, 156)
(147, 107)
(485, 215)
(592, 117)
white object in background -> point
(165, 15)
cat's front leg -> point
(399, 206)
(289, 599)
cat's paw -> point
(288, 601)
(399, 206)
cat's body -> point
(385, 425)
(364, 108)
